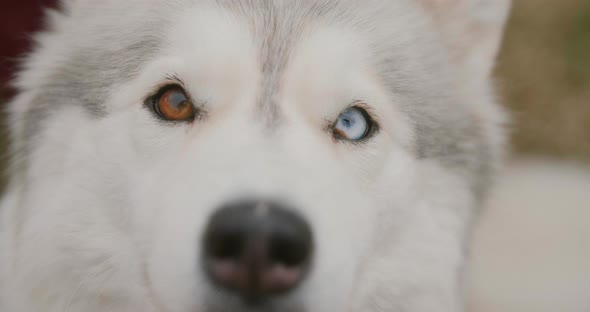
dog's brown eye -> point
(173, 104)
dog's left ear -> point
(472, 29)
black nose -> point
(257, 249)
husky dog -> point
(250, 155)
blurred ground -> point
(531, 248)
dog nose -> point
(257, 249)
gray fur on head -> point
(96, 54)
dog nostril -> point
(289, 250)
(226, 246)
(257, 252)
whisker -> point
(99, 270)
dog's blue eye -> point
(354, 124)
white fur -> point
(108, 213)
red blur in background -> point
(17, 20)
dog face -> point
(248, 156)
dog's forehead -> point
(263, 42)
(281, 56)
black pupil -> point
(178, 99)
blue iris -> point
(353, 124)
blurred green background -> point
(543, 75)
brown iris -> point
(173, 104)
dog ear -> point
(472, 29)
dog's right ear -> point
(472, 29)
